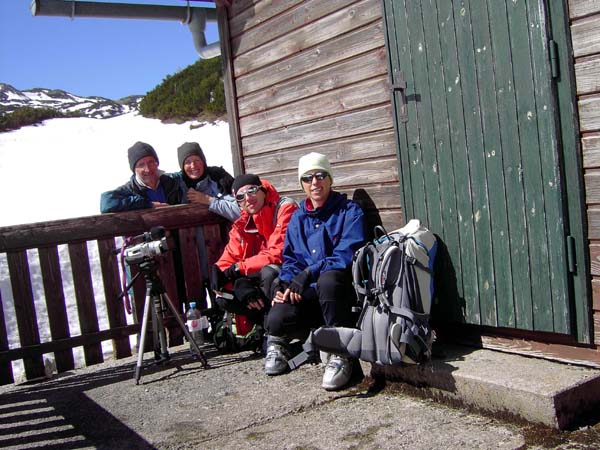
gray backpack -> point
(392, 276)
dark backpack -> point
(392, 276)
(235, 333)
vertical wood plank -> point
(86, 303)
(479, 213)
(421, 131)
(464, 259)
(55, 305)
(112, 289)
(518, 259)
(138, 298)
(20, 280)
(393, 48)
(215, 239)
(166, 270)
(530, 163)
(440, 86)
(554, 308)
(194, 280)
(502, 307)
(6, 373)
(230, 91)
(409, 136)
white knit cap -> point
(313, 161)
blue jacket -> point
(131, 196)
(323, 239)
(217, 184)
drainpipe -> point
(195, 18)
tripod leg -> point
(161, 348)
(142, 341)
(197, 350)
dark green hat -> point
(187, 149)
(137, 151)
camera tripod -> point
(155, 295)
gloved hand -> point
(246, 291)
(280, 286)
(232, 272)
(218, 278)
(300, 282)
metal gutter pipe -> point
(195, 18)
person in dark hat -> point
(148, 187)
(252, 258)
(208, 186)
(204, 185)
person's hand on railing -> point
(197, 197)
(159, 204)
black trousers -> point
(329, 304)
(251, 288)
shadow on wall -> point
(372, 217)
(448, 305)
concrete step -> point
(537, 390)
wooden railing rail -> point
(63, 289)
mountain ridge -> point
(12, 99)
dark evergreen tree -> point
(196, 92)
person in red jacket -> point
(252, 258)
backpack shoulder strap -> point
(360, 272)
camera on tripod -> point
(134, 252)
(154, 244)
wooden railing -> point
(179, 271)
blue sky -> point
(110, 58)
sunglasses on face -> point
(251, 191)
(308, 177)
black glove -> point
(218, 278)
(280, 286)
(232, 272)
(300, 281)
(246, 291)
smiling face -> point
(193, 166)
(251, 198)
(146, 169)
(317, 191)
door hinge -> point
(554, 63)
(571, 263)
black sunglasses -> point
(308, 177)
(251, 191)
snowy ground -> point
(58, 170)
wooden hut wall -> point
(308, 76)
(585, 32)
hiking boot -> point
(337, 373)
(276, 361)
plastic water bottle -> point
(194, 324)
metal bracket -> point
(400, 85)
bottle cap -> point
(192, 305)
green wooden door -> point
(480, 161)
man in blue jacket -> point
(315, 282)
(148, 187)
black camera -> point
(154, 244)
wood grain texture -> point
(589, 113)
(587, 74)
(580, 8)
(585, 35)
